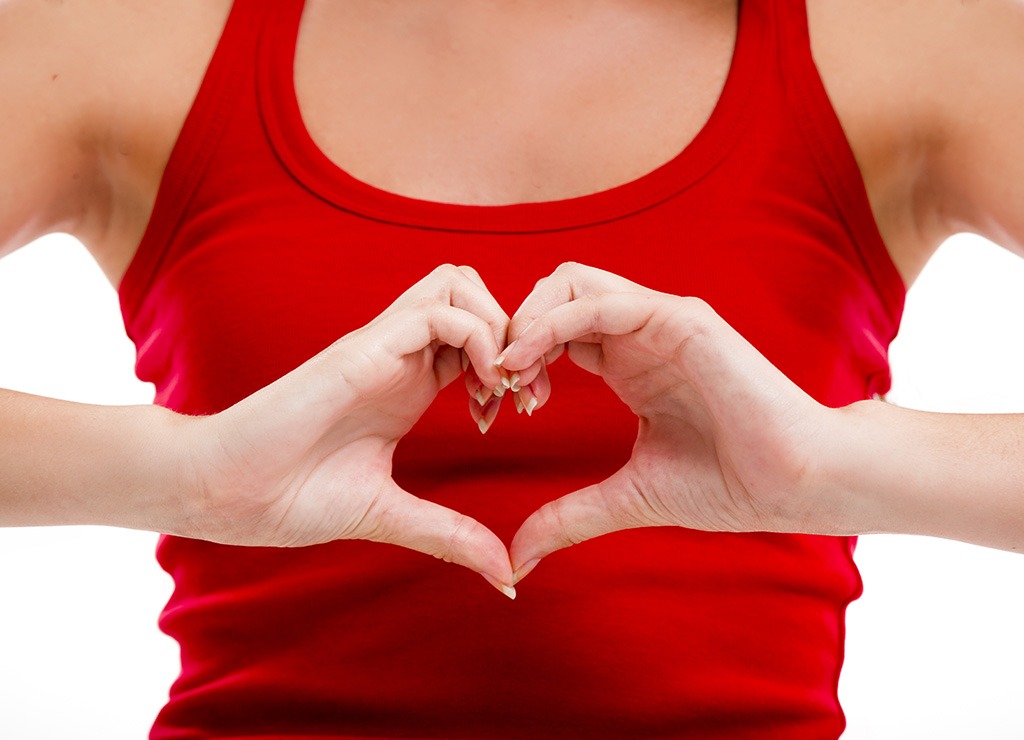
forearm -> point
(72, 463)
(956, 476)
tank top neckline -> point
(309, 165)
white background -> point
(934, 649)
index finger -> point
(568, 283)
(586, 319)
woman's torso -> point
(256, 267)
(500, 102)
(261, 251)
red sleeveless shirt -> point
(260, 252)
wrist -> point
(863, 470)
(161, 476)
(181, 468)
(835, 493)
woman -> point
(253, 214)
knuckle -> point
(696, 313)
(457, 539)
(445, 275)
(697, 305)
(567, 533)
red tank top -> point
(260, 252)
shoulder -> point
(99, 89)
(930, 93)
(918, 58)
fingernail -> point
(465, 361)
(488, 414)
(514, 382)
(499, 391)
(483, 396)
(474, 410)
(505, 382)
(527, 400)
(509, 591)
(519, 404)
(503, 355)
(524, 570)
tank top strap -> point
(825, 138)
(200, 135)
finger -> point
(473, 275)
(476, 389)
(515, 380)
(553, 354)
(461, 287)
(569, 282)
(609, 506)
(484, 414)
(405, 520)
(447, 364)
(580, 319)
(466, 290)
(587, 355)
(417, 326)
(531, 397)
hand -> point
(726, 442)
(308, 459)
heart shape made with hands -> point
(724, 437)
(725, 441)
(571, 518)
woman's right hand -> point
(307, 459)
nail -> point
(465, 361)
(488, 414)
(499, 391)
(503, 355)
(483, 396)
(509, 591)
(519, 404)
(505, 382)
(475, 411)
(524, 570)
(514, 382)
(527, 400)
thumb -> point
(408, 521)
(605, 507)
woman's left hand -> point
(726, 442)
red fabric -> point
(261, 252)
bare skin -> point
(526, 94)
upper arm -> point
(978, 91)
(46, 159)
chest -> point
(517, 102)
(490, 103)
